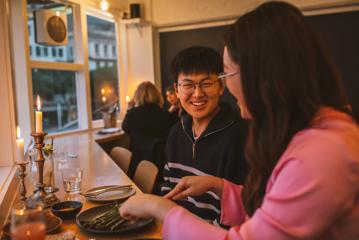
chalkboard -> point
(339, 33)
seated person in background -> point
(302, 146)
(147, 124)
(175, 108)
(209, 140)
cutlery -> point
(97, 192)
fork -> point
(109, 189)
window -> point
(30, 50)
(103, 77)
(54, 53)
(59, 86)
(32, 7)
(97, 49)
(114, 51)
(58, 95)
(38, 51)
(105, 48)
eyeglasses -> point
(224, 75)
(188, 88)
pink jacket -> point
(313, 192)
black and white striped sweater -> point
(217, 152)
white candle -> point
(20, 147)
(38, 116)
(127, 99)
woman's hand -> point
(146, 206)
(195, 186)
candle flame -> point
(58, 13)
(127, 98)
(18, 134)
(102, 91)
(103, 99)
(38, 103)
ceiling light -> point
(104, 5)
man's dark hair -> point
(195, 60)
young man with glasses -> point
(205, 142)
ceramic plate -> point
(109, 130)
(52, 224)
(90, 214)
(116, 195)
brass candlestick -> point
(21, 169)
(40, 197)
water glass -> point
(60, 158)
(72, 179)
(27, 224)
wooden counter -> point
(99, 170)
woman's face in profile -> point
(234, 84)
(171, 97)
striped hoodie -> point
(217, 152)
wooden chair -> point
(145, 176)
(122, 157)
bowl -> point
(66, 209)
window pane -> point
(103, 66)
(57, 90)
(64, 52)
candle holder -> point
(21, 169)
(40, 197)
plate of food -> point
(110, 193)
(52, 223)
(106, 219)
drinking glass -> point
(27, 224)
(72, 179)
(60, 157)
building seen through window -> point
(58, 95)
(57, 87)
(103, 66)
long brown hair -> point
(286, 77)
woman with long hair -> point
(147, 124)
(302, 147)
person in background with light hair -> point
(302, 146)
(146, 123)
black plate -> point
(52, 224)
(91, 213)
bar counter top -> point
(98, 170)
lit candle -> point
(127, 99)
(38, 114)
(20, 147)
(102, 91)
(103, 99)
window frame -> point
(111, 18)
(79, 66)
